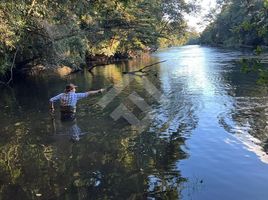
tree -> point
(56, 32)
(240, 23)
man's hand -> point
(52, 111)
(96, 91)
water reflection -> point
(194, 67)
(112, 161)
(248, 122)
(69, 129)
(206, 123)
(212, 83)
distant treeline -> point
(240, 23)
(60, 32)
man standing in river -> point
(68, 101)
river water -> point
(192, 127)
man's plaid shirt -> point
(69, 99)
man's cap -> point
(70, 86)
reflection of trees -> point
(15, 157)
(100, 166)
(157, 158)
(249, 114)
(249, 126)
(247, 119)
(253, 114)
(107, 163)
(112, 166)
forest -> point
(238, 23)
(51, 33)
(241, 24)
(38, 35)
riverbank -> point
(90, 62)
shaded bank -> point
(239, 24)
(56, 33)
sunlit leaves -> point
(240, 23)
(54, 32)
(266, 3)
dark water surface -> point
(205, 136)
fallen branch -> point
(141, 70)
(11, 70)
(12, 66)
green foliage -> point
(240, 23)
(266, 3)
(55, 32)
(4, 62)
(258, 50)
(255, 65)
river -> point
(192, 127)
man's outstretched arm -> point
(95, 91)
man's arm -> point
(95, 91)
(51, 106)
(52, 100)
(86, 94)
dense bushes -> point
(55, 32)
(240, 23)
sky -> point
(196, 21)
